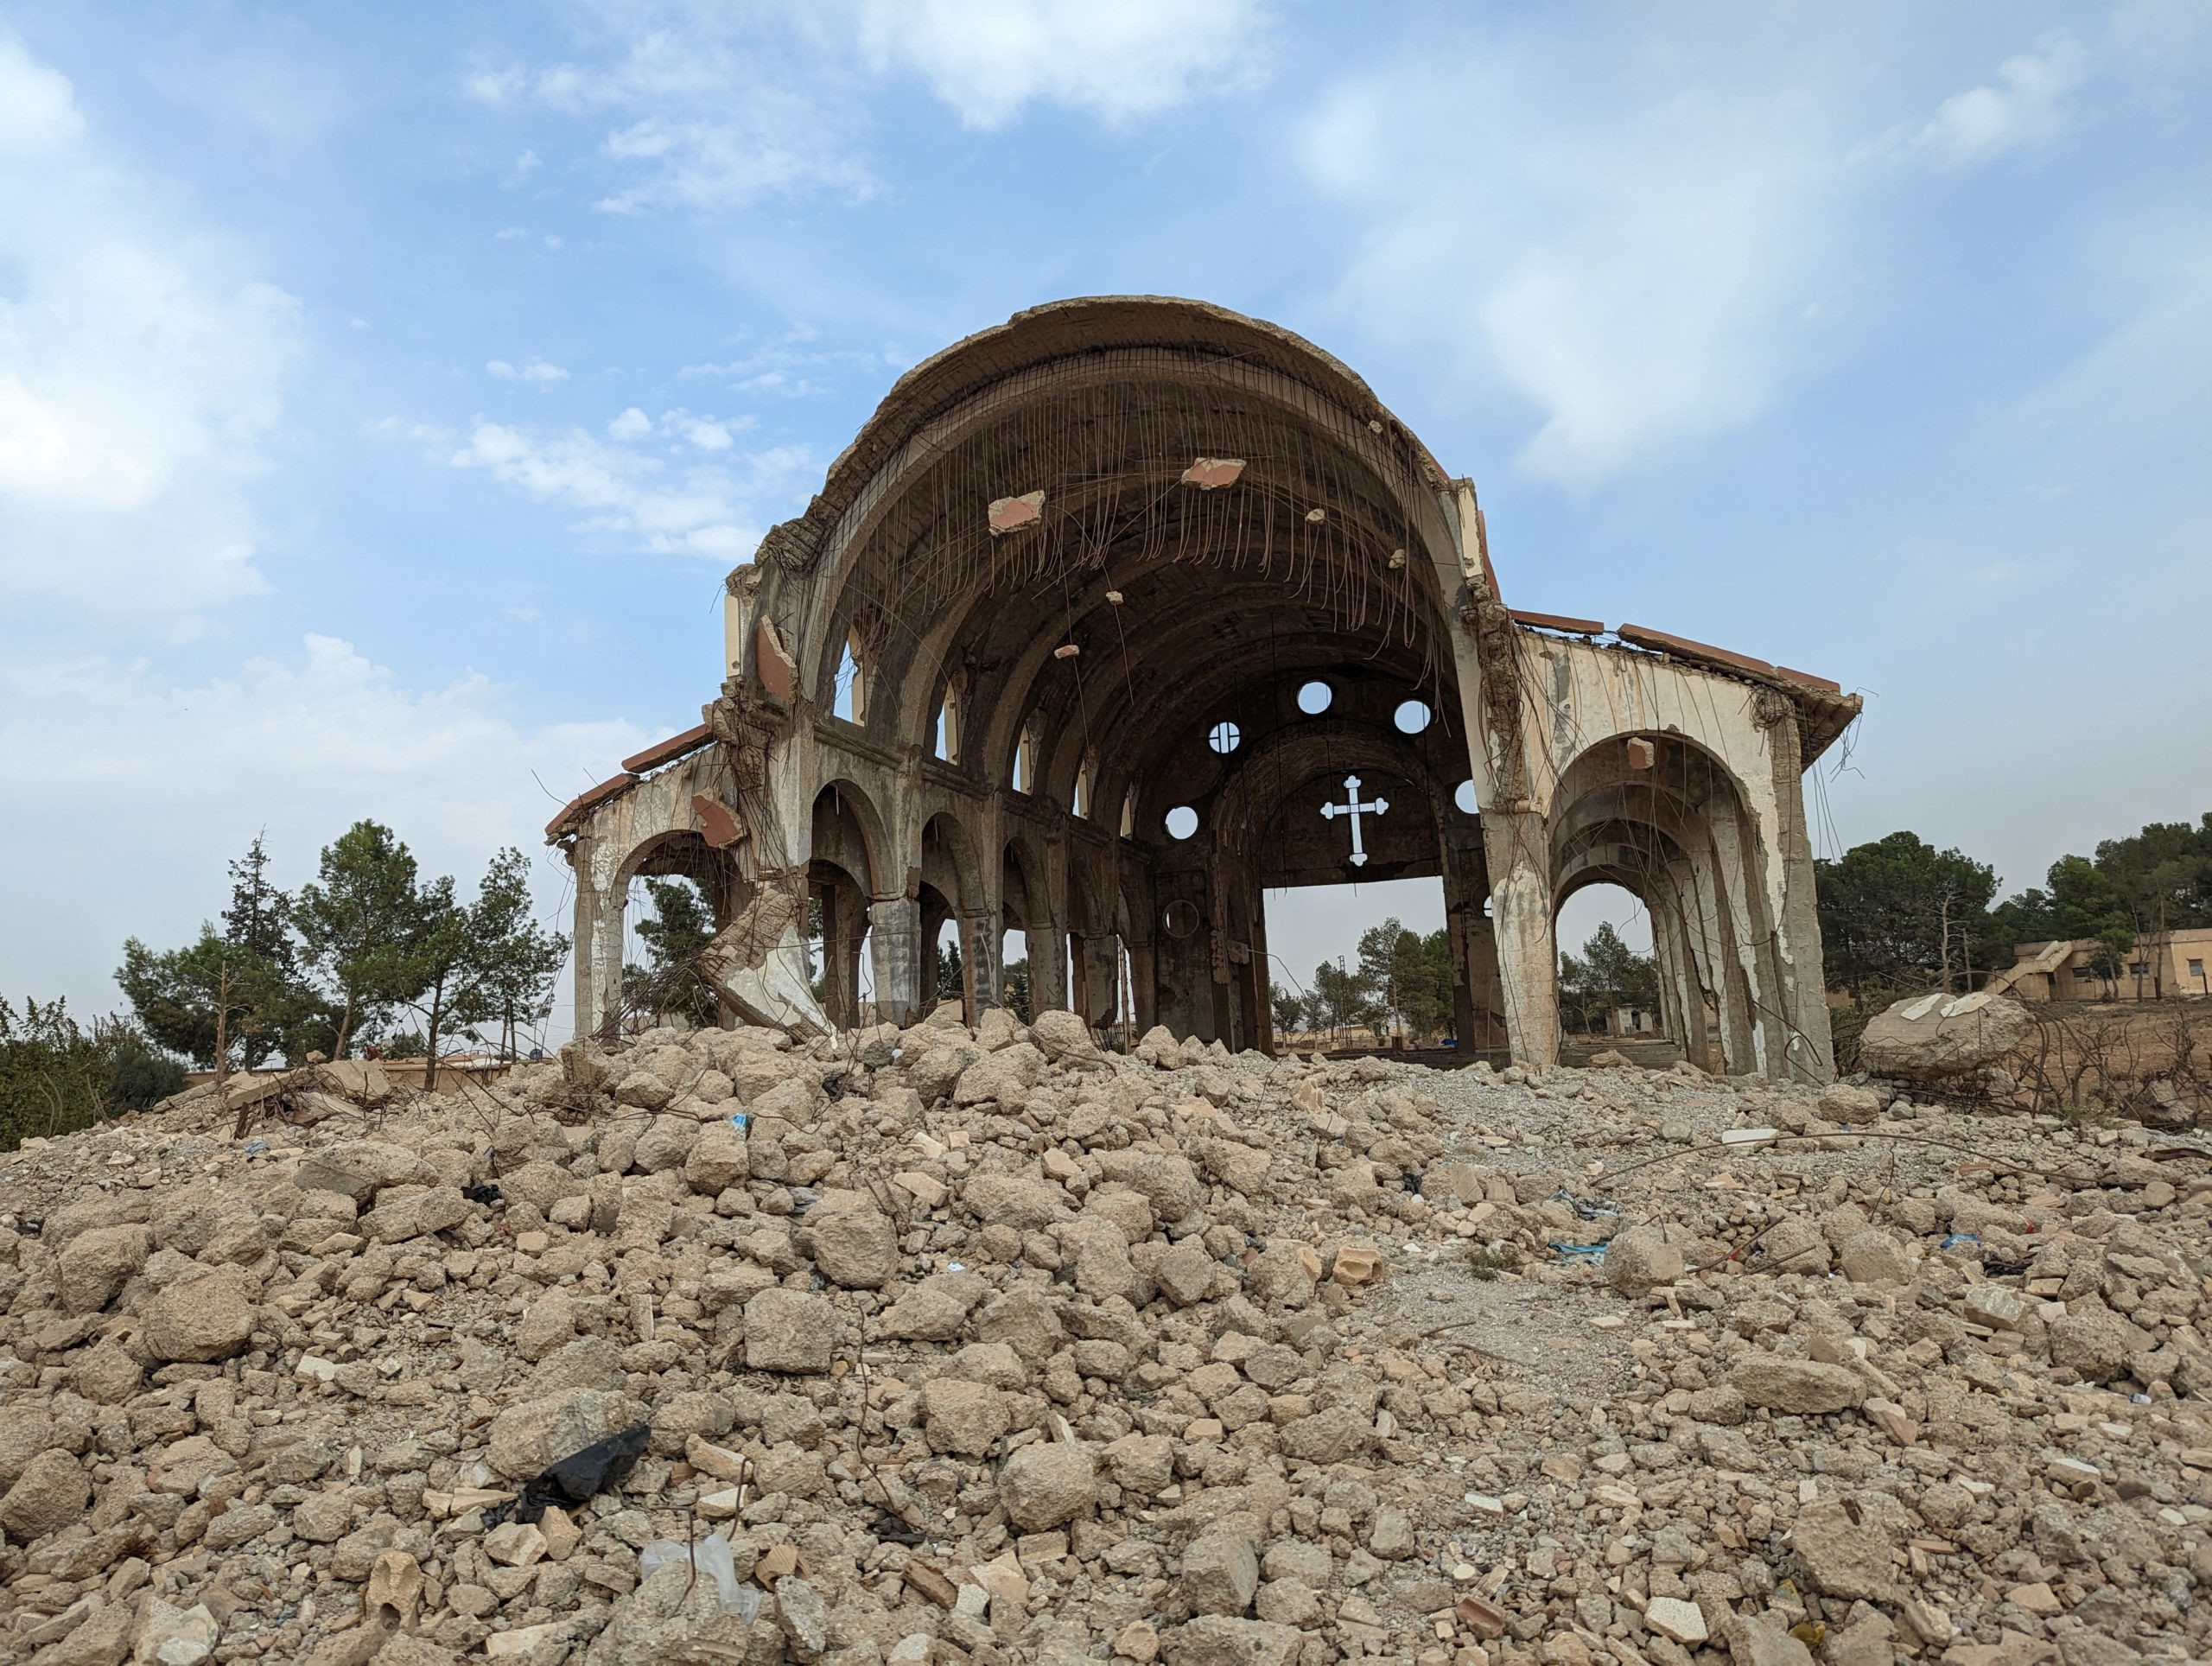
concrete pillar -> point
(1528, 951)
(1810, 1049)
(1047, 947)
(599, 958)
(843, 923)
(980, 967)
(895, 942)
(1097, 979)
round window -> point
(1316, 697)
(1464, 797)
(1223, 736)
(1182, 822)
(1180, 918)
(1413, 717)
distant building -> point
(2160, 964)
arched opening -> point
(1085, 776)
(1025, 755)
(850, 698)
(841, 880)
(1129, 827)
(951, 902)
(1608, 978)
(1663, 818)
(675, 892)
(948, 724)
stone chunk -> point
(965, 1418)
(1803, 1386)
(1224, 1640)
(416, 1214)
(1874, 1257)
(1845, 1549)
(789, 1331)
(94, 1265)
(718, 1160)
(528, 1437)
(1671, 1617)
(50, 1493)
(1048, 1484)
(852, 1241)
(1220, 1573)
(203, 1316)
(1640, 1260)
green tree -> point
(1340, 995)
(439, 974)
(1407, 981)
(259, 917)
(520, 957)
(1898, 910)
(359, 925)
(1016, 989)
(681, 925)
(220, 1004)
(951, 975)
(1288, 1008)
(1607, 974)
(56, 1076)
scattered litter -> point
(1580, 1251)
(255, 1148)
(742, 1121)
(713, 1560)
(1958, 1240)
(575, 1479)
(1749, 1137)
(482, 1191)
(1588, 1211)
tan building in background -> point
(2160, 964)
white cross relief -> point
(1355, 809)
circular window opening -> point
(1413, 717)
(1223, 736)
(1316, 697)
(1180, 918)
(1463, 796)
(1182, 822)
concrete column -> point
(842, 924)
(1528, 951)
(1047, 948)
(602, 972)
(1097, 979)
(1810, 1049)
(584, 987)
(979, 961)
(894, 943)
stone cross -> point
(1354, 809)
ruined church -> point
(1119, 616)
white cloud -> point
(303, 744)
(711, 108)
(141, 374)
(2031, 105)
(989, 59)
(695, 510)
(38, 107)
(531, 370)
(1642, 260)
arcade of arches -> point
(1119, 615)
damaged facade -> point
(1088, 626)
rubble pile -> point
(946, 1345)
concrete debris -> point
(951, 1346)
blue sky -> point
(383, 391)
